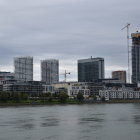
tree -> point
(103, 99)
(80, 97)
(48, 94)
(95, 97)
(24, 96)
(63, 97)
(4, 96)
(55, 95)
(17, 97)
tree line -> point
(18, 97)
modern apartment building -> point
(120, 75)
(23, 68)
(135, 57)
(50, 71)
(90, 70)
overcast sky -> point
(67, 30)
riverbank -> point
(123, 101)
(38, 103)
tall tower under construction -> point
(135, 57)
(23, 68)
(50, 71)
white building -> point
(74, 89)
(122, 93)
(48, 88)
(23, 68)
(7, 87)
(50, 71)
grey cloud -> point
(69, 30)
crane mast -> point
(128, 47)
(65, 75)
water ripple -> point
(50, 122)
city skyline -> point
(54, 67)
(66, 30)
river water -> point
(71, 122)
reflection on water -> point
(137, 119)
(71, 122)
(89, 120)
(49, 122)
(19, 123)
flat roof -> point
(90, 60)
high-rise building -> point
(23, 68)
(90, 70)
(120, 75)
(135, 57)
(50, 71)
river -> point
(71, 122)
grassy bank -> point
(37, 102)
(123, 101)
(56, 102)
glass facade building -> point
(90, 70)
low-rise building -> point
(5, 76)
(48, 88)
(122, 93)
(74, 89)
(95, 88)
(29, 87)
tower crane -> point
(128, 47)
(65, 75)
